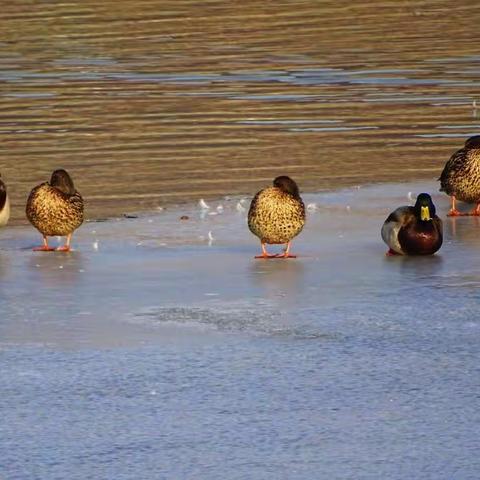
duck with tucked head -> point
(4, 204)
(461, 177)
(413, 230)
(55, 208)
(277, 215)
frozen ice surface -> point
(157, 355)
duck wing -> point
(453, 168)
(393, 224)
(401, 215)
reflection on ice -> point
(278, 279)
(54, 270)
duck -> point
(460, 177)
(277, 215)
(4, 204)
(55, 208)
(414, 230)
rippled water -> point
(149, 103)
(161, 349)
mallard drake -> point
(413, 230)
(55, 208)
(277, 215)
(461, 176)
(4, 205)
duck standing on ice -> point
(461, 177)
(277, 215)
(55, 208)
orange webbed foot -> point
(266, 256)
(43, 248)
(455, 213)
(63, 248)
(475, 212)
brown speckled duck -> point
(277, 215)
(461, 177)
(4, 204)
(55, 208)
(413, 230)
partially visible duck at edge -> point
(277, 215)
(461, 177)
(4, 204)
(413, 230)
(55, 208)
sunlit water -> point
(161, 349)
(151, 103)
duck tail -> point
(442, 179)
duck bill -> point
(425, 214)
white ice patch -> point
(203, 205)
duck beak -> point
(425, 214)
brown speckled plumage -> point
(54, 212)
(276, 216)
(461, 176)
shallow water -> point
(161, 349)
(152, 103)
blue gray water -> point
(160, 349)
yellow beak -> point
(425, 214)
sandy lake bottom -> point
(161, 349)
